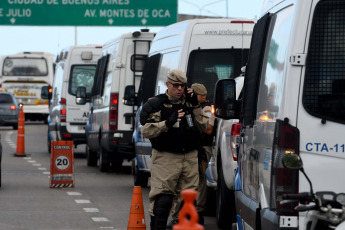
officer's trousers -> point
(201, 197)
(171, 173)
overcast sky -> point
(52, 39)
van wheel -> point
(116, 165)
(140, 178)
(225, 209)
(104, 166)
(0, 175)
(91, 156)
(210, 209)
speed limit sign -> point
(61, 164)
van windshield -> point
(81, 76)
(208, 66)
(324, 85)
(25, 67)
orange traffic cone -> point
(21, 135)
(188, 209)
(136, 216)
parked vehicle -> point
(24, 74)
(224, 164)
(293, 103)
(201, 48)
(110, 127)
(75, 70)
(9, 110)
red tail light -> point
(235, 139)
(13, 107)
(113, 113)
(63, 110)
(283, 180)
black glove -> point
(192, 99)
(172, 119)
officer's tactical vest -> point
(177, 140)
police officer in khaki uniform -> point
(206, 140)
(204, 155)
(173, 122)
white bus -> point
(24, 74)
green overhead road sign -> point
(88, 12)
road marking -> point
(74, 193)
(82, 201)
(100, 219)
(91, 209)
(88, 210)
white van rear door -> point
(321, 112)
(81, 75)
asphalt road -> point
(98, 200)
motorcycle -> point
(324, 210)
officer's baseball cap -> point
(176, 75)
(199, 89)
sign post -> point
(88, 12)
(62, 164)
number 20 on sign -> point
(62, 164)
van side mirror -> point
(46, 93)
(292, 161)
(138, 62)
(130, 98)
(80, 98)
(225, 99)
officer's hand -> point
(174, 117)
(191, 97)
(180, 114)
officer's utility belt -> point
(182, 151)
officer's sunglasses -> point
(177, 85)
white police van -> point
(75, 69)
(110, 128)
(207, 50)
(293, 103)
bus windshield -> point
(25, 67)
